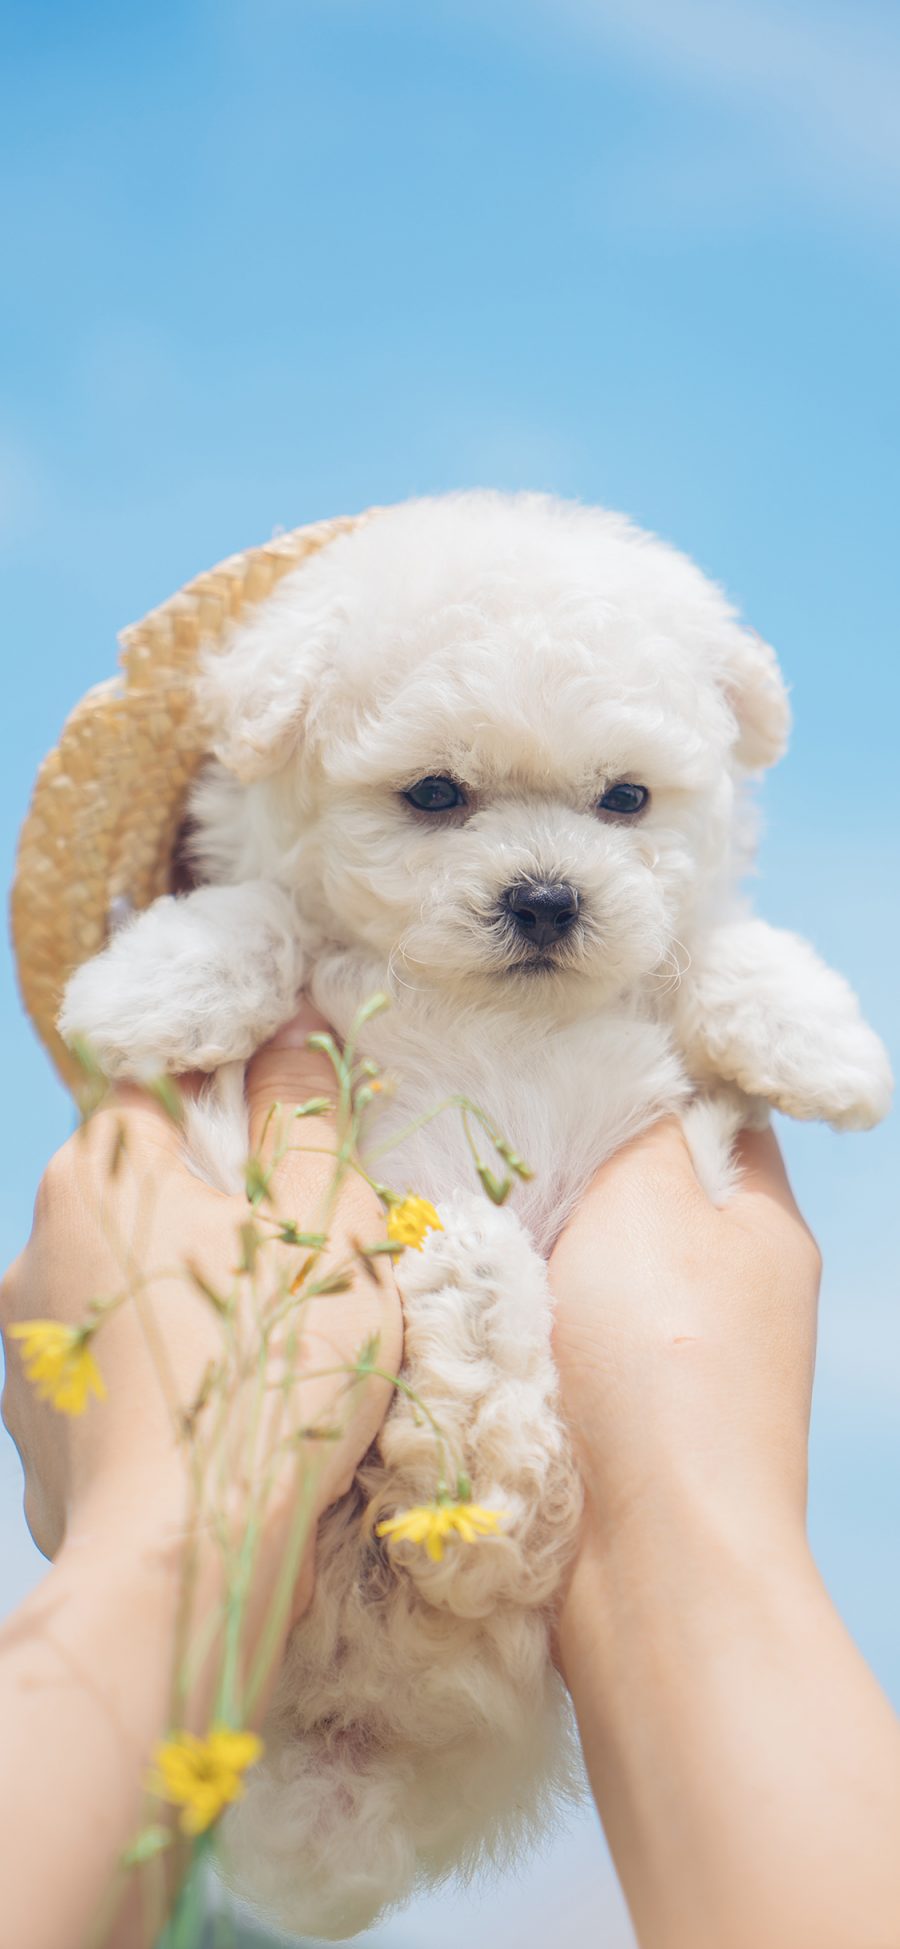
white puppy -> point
(488, 753)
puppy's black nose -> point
(542, 912)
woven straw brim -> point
(109, 801)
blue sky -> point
(273, 261)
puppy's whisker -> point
(688, 957)
(396, 980)
(679, 971)
(668, 972)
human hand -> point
(685, 1338)
(180, 1563)
(696, 1637)
(118, 1470)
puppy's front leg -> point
(477, 1350)
(198, 980)
(758, 1008)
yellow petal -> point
(474, 1521)
(177, 1776)
(201, 1813)
(432, 1523)
(233, 1749)
(79, 1378)
(411, 1527)
(59, 1364)
(43, 1334)
(410, 1219)
(69, 1396)
(390, 1526)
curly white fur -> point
(537, 653)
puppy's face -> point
(514, 775)
(509, 819)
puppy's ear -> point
(757, 694)
(255, 688)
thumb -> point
(286, 1071)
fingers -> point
(287, 1071)
(284, 1072)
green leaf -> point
(302, 1273)
(311, 1241)
(256, 1181)
(326, 1045)
(338, 1281)
(202, 1284)
(251, 1239)
(512, 1158)
(189, 1417)
(374, 1006)
(93, 1087)
(368, 1354)
(497, 1191)
(151, 1841)
(86, 1058)
(365, 1259)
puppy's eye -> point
(435, 795)
(624, 800)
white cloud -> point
(817, 84)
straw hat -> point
(101, 834)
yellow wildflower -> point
(202, 1776)
(409, 1219)
(432, 1522)
(60, 1364)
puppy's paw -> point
(480, 1277)
(838, 1074)
(760, 1009)
(92, 1013)
(477, 1351)
(860, 1093)
(192, 983)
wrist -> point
(141, 1553)
(670, 1555)
(231, 1587)
(681, 1480)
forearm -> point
(85, 1677)
(744, 1762)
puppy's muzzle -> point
(542, 912)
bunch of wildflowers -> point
(199, 1776)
